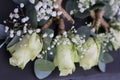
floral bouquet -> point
(29, 38)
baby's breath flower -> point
(19, 33)
(53, 14)
(32, 1)
(51, 35)
(21, 5)
(6, 29)
(49, 48)
(30, 31)
(45, 35)
(11, 35)
(55, 6)
(25, 19)
(16, 10)
(11, 15)
(51, 53)
(25, 29)
(59, 13)
(38, 30)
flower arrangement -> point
(29, 37)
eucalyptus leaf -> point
(13, 41)
(102, 66)
(84, 30)
(50, 54)
(43, 68)
(32, 14)
(108, 11)
(70, 3)
(42, 22)
(3, 34)
(21, 1)
(83, 15)
(47, 40)
(107, 58)
(98, 5)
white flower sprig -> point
(45, 9)
(18, 23)
(115, 5)
(83, 5)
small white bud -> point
(59, 13)
(54, 14)
(4, 21)
(93, 30)
(32, 1)
(51, 35)
(51, 53)
(43, 52)
(16, 15)
(11, 35)
(46, 17)
(14, 20)
(25, 19)
(81, 56)
(49, 48)
(25, 29)
(52, 46)
(20, 39)
(6, 29)
(71, 12)
(19, 33)
(22, 5)
(30, 31)
(16, 10)
(45, 35)
(11, 31)
(38, 30)
(56, 6)
(11, 15)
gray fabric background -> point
(8, 72)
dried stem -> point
(98, 19)
(61, 26)
(64, 13)
(47, 24)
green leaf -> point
(42, 22)
(3, 35)
(74, 5)
(21, 1)
(49, 56)
(32, 14)
(98, 5)
(47, 40)
(70, 3)
(83, 15)
(84, 30)
(107, 58)
(13, 41)
(43, 68)
(108, 11)
(102, 66)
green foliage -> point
(3, 35)
(102, 66)
(32, 14)
(43, 68)
(47, 40)
(21, 1)
(13, 41)
(78, 14)
(84, 30)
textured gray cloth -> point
(8, 72)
